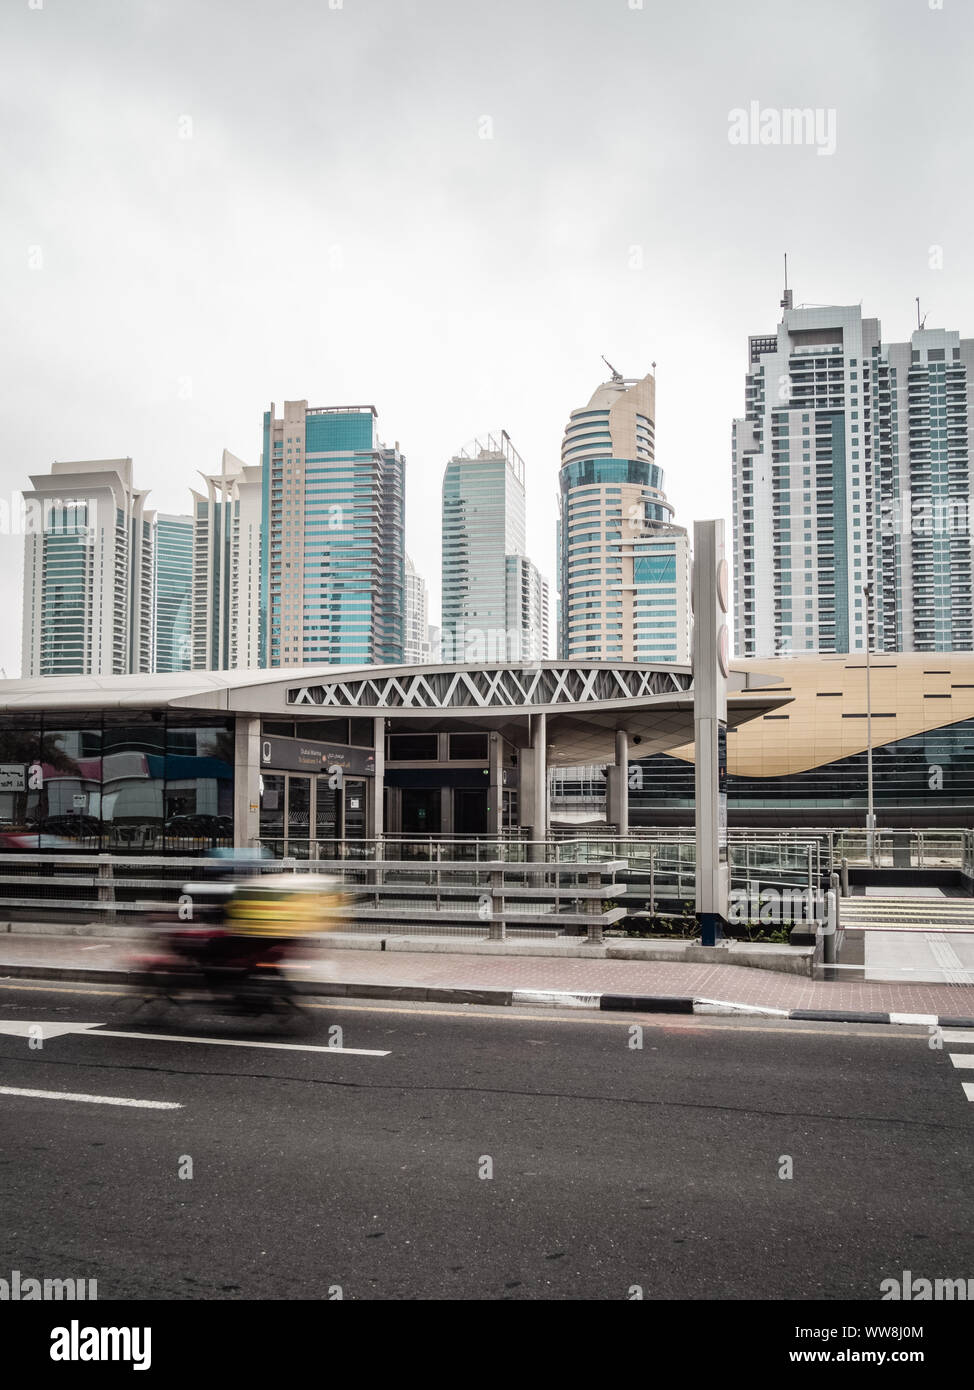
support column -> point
(619, 785)
(379, 782)
(246, 782)
(495, 796)
(539, 780)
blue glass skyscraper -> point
(333, 520)
(173, 587)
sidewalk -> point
(445, 976)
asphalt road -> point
(490, 1154)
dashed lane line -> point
(90, 1100)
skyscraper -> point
(88, 572)
(417, 638)
(527, 607)
(333, 563)
(624, 566)
(852, 466)
(494, 600)
(173, 593)
(226, 586)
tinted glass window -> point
(410, 747)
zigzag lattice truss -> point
(495, 687)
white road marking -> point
(19, 1029)
(964, 1060)
(969, 1089)
(958, 1035)
(22, 1029)
(91, 1100)
(235, 1042)
(929, 1019)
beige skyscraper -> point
(624, 566)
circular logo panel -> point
(722, 651)
(722, 584)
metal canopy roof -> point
(586, 701)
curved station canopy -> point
(586, 702)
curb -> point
(549, 998)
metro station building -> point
(299, 759)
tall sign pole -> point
(867, 590)
(711, 666)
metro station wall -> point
(924, 780)
(119, 781)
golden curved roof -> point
(826, 720)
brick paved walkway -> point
(728, 983)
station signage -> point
(12, 777)
(307, 755)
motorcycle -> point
(231, 946)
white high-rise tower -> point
(495, 602)
(852, 466)
(226, 569)
(88, 572)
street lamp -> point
(867, 590)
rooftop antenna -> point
(616, 375)
(787, 299)
(919, 323)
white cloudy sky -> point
(337, 228)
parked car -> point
(34, 840)
(199, 827)
(73, 827)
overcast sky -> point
(450, 209)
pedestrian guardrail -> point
(488, 897)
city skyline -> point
(897, 500)
(176, 296)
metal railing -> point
(426, 848)
(947, 848)
(654, 873)
(486, 899)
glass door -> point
(298, 816)
(327, 811)
(272, 812)
(354, 808)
